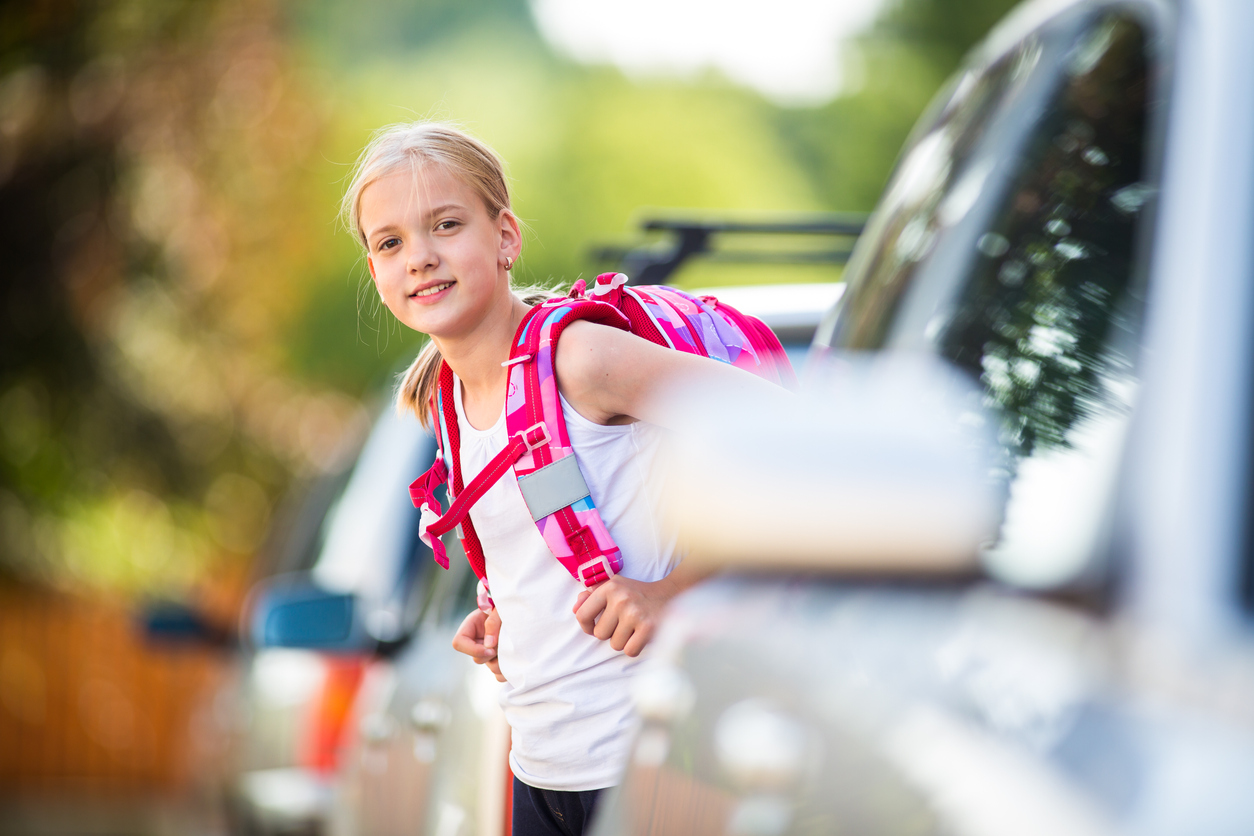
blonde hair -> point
(412, 145)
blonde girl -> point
(431, 207)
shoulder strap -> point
(548, 474)
(447, 471)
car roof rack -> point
(653, 263)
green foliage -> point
(943, 29)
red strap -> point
(422, 489)
(469, 538)
(501, 463)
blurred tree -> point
(345, 34)
(144, 423)
(850, 144)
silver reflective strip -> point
(460, 534)
(553, 487)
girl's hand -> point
(477, 638)
(624, 611)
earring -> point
(509, 264)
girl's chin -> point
(435, 323)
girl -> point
(430, 205)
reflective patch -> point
(553, 487)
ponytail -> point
(416, 391)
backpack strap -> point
(549, 477)
(447, 471)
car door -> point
(430, 752)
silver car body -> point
(1114, 697)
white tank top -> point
(566, 695)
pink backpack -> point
(539, 449)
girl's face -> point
(436, 256)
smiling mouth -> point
(430, 291)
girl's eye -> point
(445, 226)
(389, 243)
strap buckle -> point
(530, 438)
(604, 288)
(600, 570)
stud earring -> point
(509, 264)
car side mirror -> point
(175, 624)
(294, 612)
(882, 466)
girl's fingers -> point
(491, 629)
(469, 636)
(583, 596)
(622, 633)
(592, 606)
(607, 624)
(639, 638)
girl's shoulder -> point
(588, 365)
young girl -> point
(431, 207)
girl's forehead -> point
(420, 190)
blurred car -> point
(357, 652)
(284, 715)
(352, 537)
(1070, 227)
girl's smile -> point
(431, 291)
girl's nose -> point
(422, 257)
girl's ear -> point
(511, 235)
(370, 264)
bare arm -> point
(613, 377)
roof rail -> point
(693, 238)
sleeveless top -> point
(566, 696)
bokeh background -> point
(187, 336)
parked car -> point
(1070, 227)
(284, 714)
(423, 744)
(291, 711)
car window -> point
(933, 175)
(370, 544)
(1018, 261)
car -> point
(420, 743)
(353, 538)
(283, 716)
(1067, 231)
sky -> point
(790, 50)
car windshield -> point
(1008, 243)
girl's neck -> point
(476, 360)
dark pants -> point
(551, 812)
